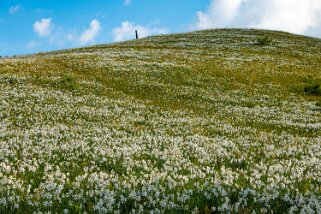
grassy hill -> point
(225, 120)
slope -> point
(220, 120)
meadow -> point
(217, 121)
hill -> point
(225, 120)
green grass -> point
(264, 41)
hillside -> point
(225, 120)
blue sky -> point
(43, 25)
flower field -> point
(205, 122)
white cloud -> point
(127, 31)
(14, 9)
(90, 34)
(127, 2)
(296, 16)
(32, 44)
(220, 12)
(43, 27)
(60, 37)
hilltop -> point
(225, 120)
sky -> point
(29, 26)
